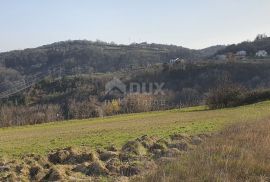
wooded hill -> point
(261, 42)
(66, 80)
(97, 56)
(83, 96)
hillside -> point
(83, 96)
(229, 156)
(95, 56)
(210, 51)
(101, 132)
(66, 80)
(114, 148)
(251, 47)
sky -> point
(190, 23)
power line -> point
(23, 84)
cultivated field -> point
(101, 132)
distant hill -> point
(96, 56)
(210, 51)
(251, 47)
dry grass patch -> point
(239, 153)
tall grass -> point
(240, 153)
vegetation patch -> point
(117, 130)
(232, 95)
(238, 153)
(135, 158)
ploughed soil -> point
(135, 158)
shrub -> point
(134, 103)
(82, 109)
(256, 96)
(21, 115)
(112, 107)
(231, 95)
(226, 95)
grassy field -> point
(101, 132)
(238, 153)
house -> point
(172, 61)
(241, 53)
(261, 53)
(177, 60)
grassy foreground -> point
(238, 153)
(101, 132)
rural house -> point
(261, 53)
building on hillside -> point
(261, 53)
(148, 65)
(172, 61)
(241, 53)
(177, 60)
(180, 63)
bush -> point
(256, 96)
(232, 95)
(112, 107)
(21, 115)
(135, 103)
(82, 109)
(226, 95)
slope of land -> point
(101, 132)
(251, 47)
(238, 153)
(96, 56)
(128, 147)
(81, 96)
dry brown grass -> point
(239, 153)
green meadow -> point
(101, 132)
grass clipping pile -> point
(134, 158)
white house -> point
(261, 53)
(174, 60)
(177, 60)
(241, 53)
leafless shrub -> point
(226, 95)
(134, 103)
(82, 109)
(21, 115)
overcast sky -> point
(189, 23)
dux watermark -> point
(149, 88)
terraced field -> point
(101, 132)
